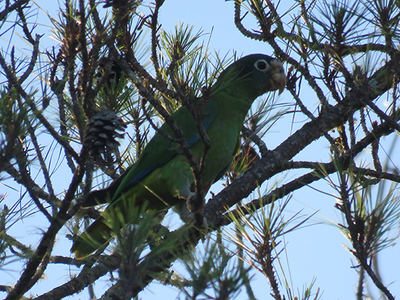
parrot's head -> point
(256, 73)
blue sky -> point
(314, 252)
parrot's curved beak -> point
(278, 75)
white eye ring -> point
(261, 65)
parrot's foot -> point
(189, 217)
(184, 213)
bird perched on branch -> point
(163, 176)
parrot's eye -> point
(261, 65)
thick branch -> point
(321, 170)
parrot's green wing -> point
(159, 151)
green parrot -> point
(162, 176)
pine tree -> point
(76, 114)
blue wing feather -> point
(160, 146)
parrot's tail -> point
(95, 236)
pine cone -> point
(103, 130)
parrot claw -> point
(189, 217)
